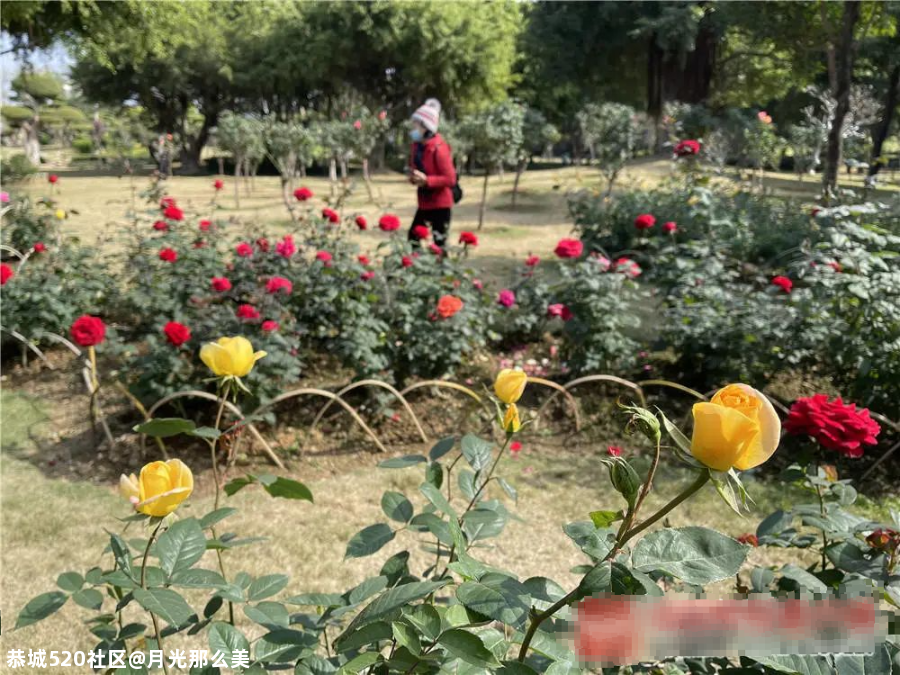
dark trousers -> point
(439, 222)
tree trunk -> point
(481, 209)
(286, 197)
(882, 130)
(237, 182)
(520, 168)
(844, 76)
(190, 153)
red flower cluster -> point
(161, 226)
(628, 267)
(515, 447)
(286, 247)
(559, 310)
(468, 238)
(420, 232)
(247, 312)
(88, 331)
(279, 285)
(749, 539)
(687, 148)
(645, 221)
(331, 215)
(834, 424)
(301, 194)
(221, 284)
(532, 260)
(6, 273)
(176, 333)
(406, 261)
(218, 185)
(262, 244)
(367, 276)
(269, 326)
(506, 298)
(389, 222)
(884, 539)
(613, 451)
(244, 249)
(436, 250)
(52, 179)
(39, 247)
(205, 225)
(670, 228)
(166, 202)
(783, 283)
(168, 255)
(361, 222)
(173, 213)
(569, 248)
(325, 257)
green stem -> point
(159, 640)
(213, 446)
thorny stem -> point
(153, 618)
(824, 536)
(537, 618)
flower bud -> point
(511, 422)
(624, 479)
(645, 422)
(510, 384)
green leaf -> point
(163, 427)
(775, 523)
(239, 483)
(365, 590)
(434, 474)
(40, 608)
(216, 516)
(266, 586)
(477, 452)
(394, 598)
(287, 488)
(465, 479)
(467, 647)
(406, 637)
(761, 578)
(369, 540)
(397, 507)
(89, 598)
(484, 523)
(70, 582)
(396, 567)
(508, 489)
(225, 638)
(402, 462)
(283, 645)
(316, 600)
(605, 518)
(359, 663)
(272, 615)
(434, 495)
(696, 555)
(497, 596)
(198, 578)
(209, 433)
(179, 547)
(354, 639)
(516, 668)
(121, 553)
(165, 603)
(425, 619)
(803, 578)
(441, 448)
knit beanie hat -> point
(429, 114)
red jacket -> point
(438, 164)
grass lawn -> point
(53, 517)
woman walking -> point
(431, 170)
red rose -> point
(613, 451)
(166, 202)
(749, 539)
(468, 238)
(559, 310)
(420, 232)
(161, 226)
(279, 284)
(670, 228)
(324, 256)
(836, 266)
(783, 283)
(367, 276)
(628, 267)
(39, 247)
(478, 284)
(218, 185)
(88, 331)
(205, 225)
(244, 249)
(687, 148)
(406, 261)
(569, 248)
(833, 424)
(6, 273)
(883, 539)
(644, 221)
(532, 261)
(515, 447)
(331, 215)
(52, 178)
(177, 333)
(168, 255)
(221, 284)
(506, 298)
(388, 222)
(173, 213)
(286, 247)
(363, 260)
(247, 312)
(449, 305)
(435, 249)
(361, 222)
(269, 326)
(262, 244)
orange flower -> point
(449, 305)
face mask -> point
(415, 135)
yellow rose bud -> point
(738, 428)
(60, 214)
(511, 422)
(510, 384)
(160, 489)
(230, 356)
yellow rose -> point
(737, 428)
(232, 356)
(510, 384)
(60, 214)
(511, 422)
(160, 489)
